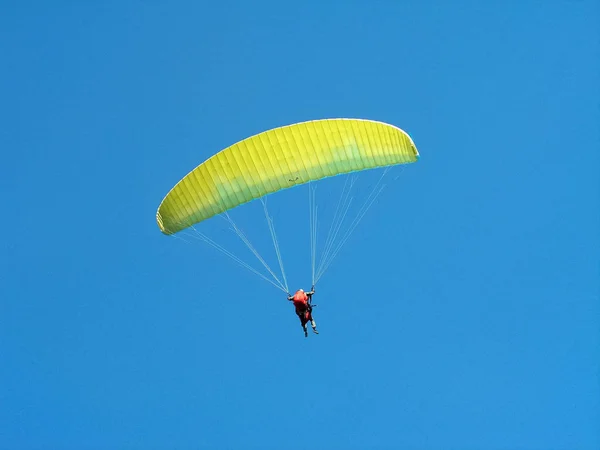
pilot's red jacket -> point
(301, 304)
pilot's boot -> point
(314, 326)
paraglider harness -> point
(309, 305)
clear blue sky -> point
(464, 313)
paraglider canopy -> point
(278, 159)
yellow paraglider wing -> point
(278, 159)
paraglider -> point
(280, 159)
(303, 305)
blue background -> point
(463, 313)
